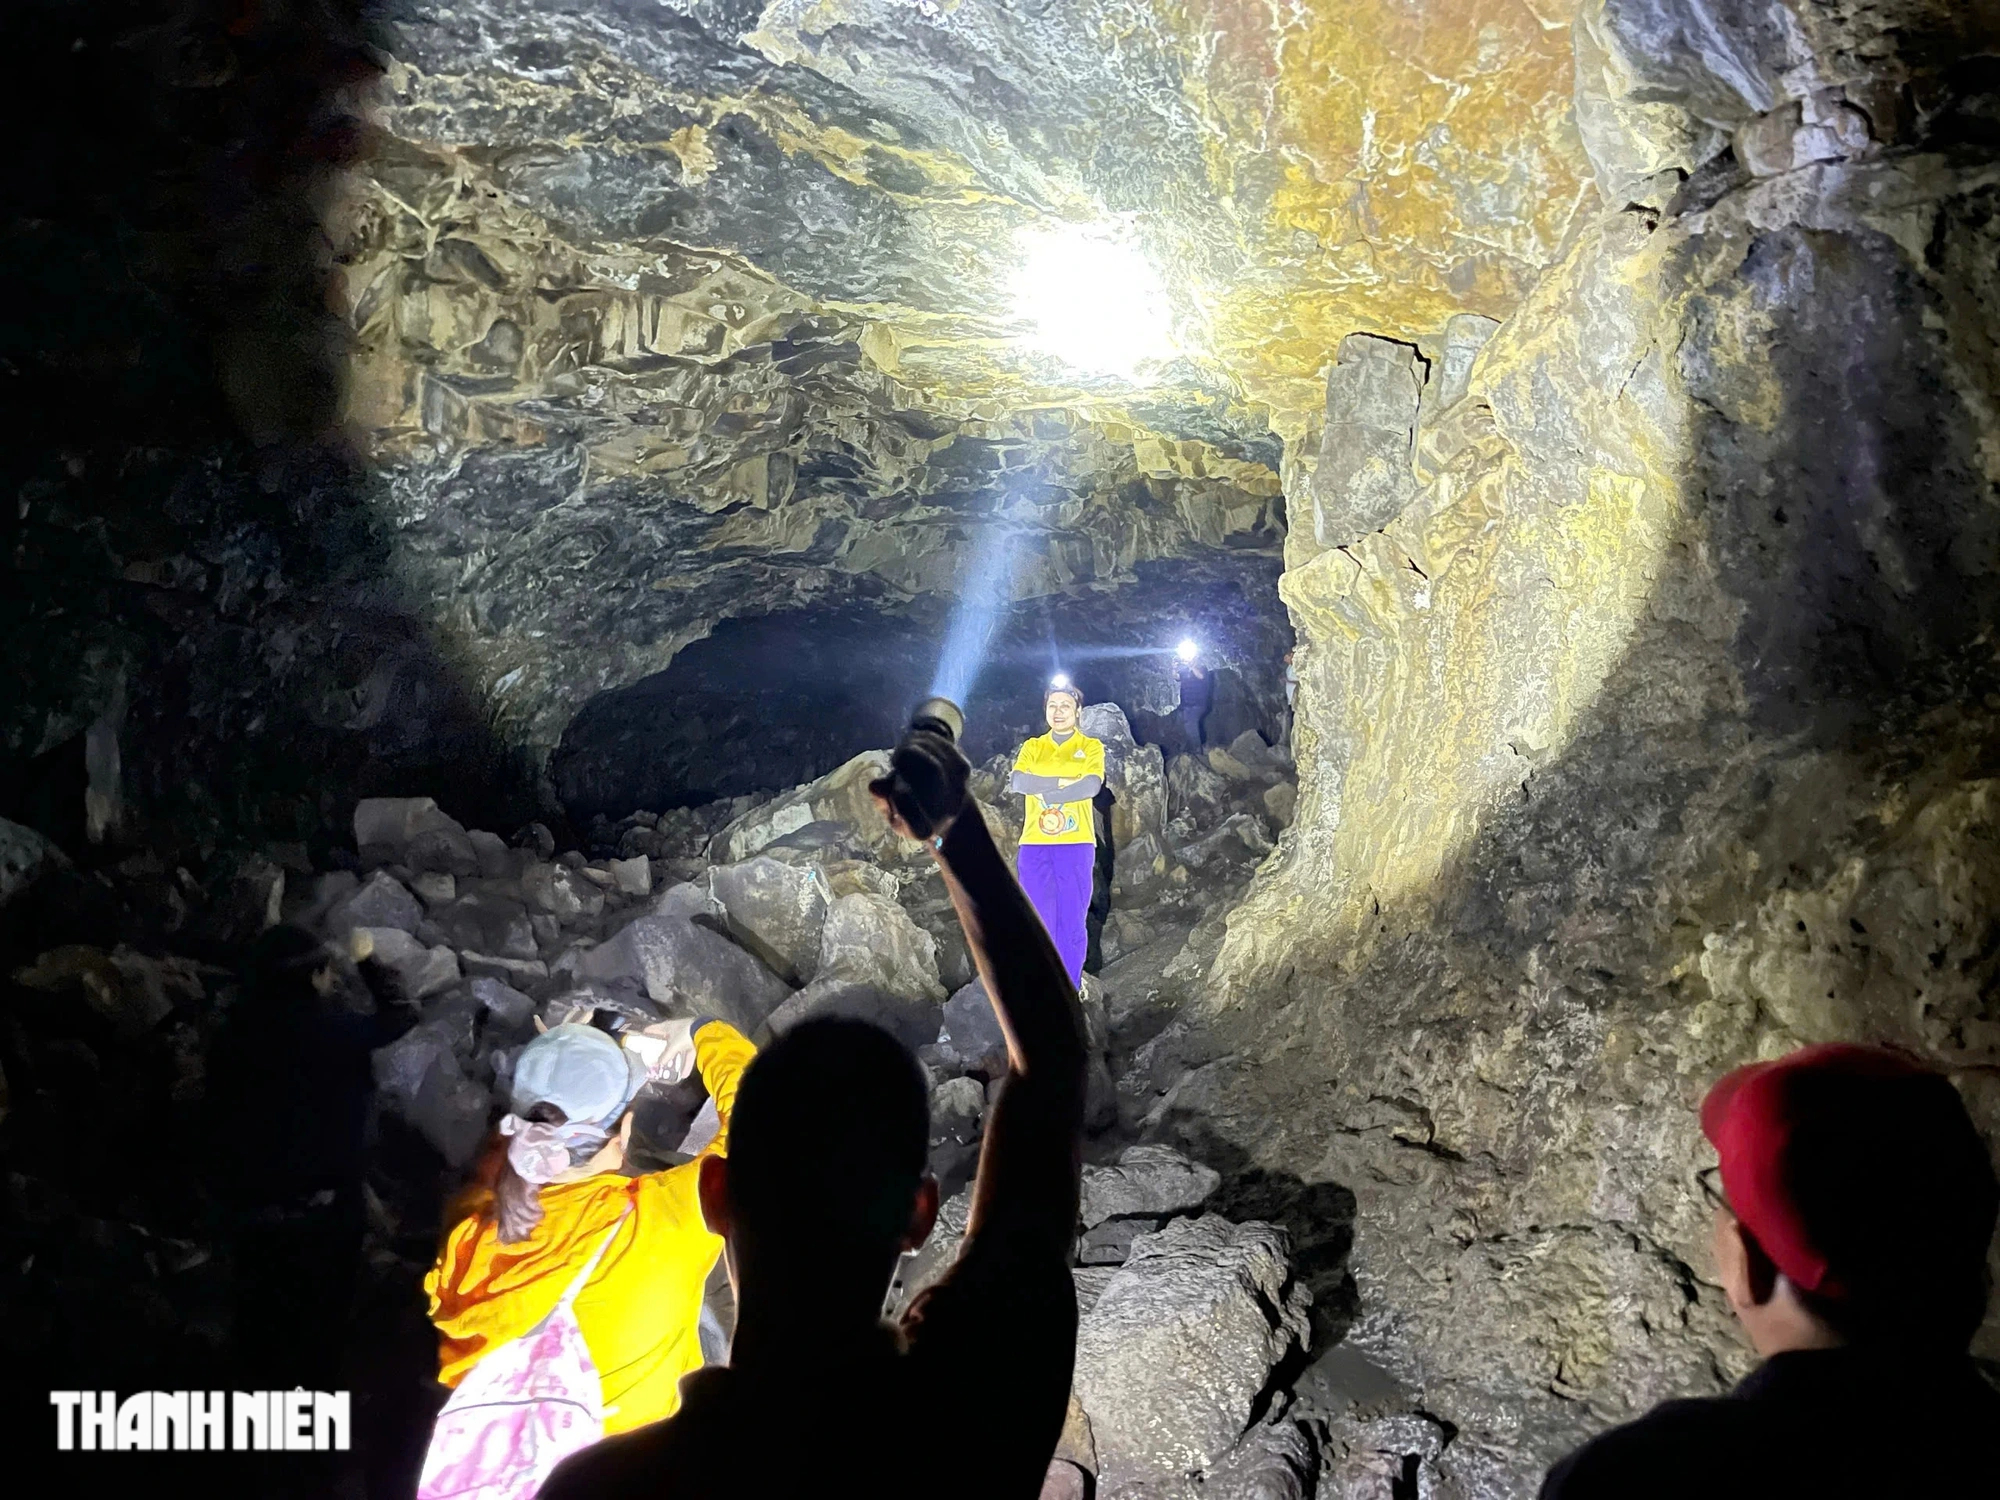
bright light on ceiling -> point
(1092, 300)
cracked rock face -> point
(1654, 732)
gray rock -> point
(867, 939)
(775, 910)
(511, 971)
(841, 797)
(1282, 803)
(634, 877)
(1065, 1481)
(1135, 774)
(1090, 1284)
(383, 901)
(508, 1006)
(1110, 1244)
(319, 898)
(488, 923)
(934, 1257)
(561, 892)
(419, 1077)
(421, 971)
(384, 826)
(1195, 790)
(1172, 1357)
(496, 862)
(688, 969)
(446, 850)
(1273, 1461)
(1147, 1182)
(686, 899)
(1241, 835)
(913, 1021)
(1365, 476)
(1465, 334)
(972, 1031)
(434, 888)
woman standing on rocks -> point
(1059, 772)
(586, 1282)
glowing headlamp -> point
(1188, 649)
(1060, 680)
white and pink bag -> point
(521, 1410)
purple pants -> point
(1057, 879)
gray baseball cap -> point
(580, 1070)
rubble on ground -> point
(760, 911)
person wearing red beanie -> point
(1854, 1215)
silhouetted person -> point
(290, 1094)
(1197, 698)
(824, 1186)
(1851, 1235)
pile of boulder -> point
(762, 911)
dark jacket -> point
(1820, 1423)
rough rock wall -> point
(1658, 731)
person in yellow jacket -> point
(542, 1208)
(1059, 773)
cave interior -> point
(607, 421)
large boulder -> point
(24, 856)
(488, 923)
(420, 1078)
(1171, 1359)
(412, 831)
(972, 1032)
(869, 940)
(1195, 790)
(775, 910)
(560, 892)
(1150, 1182)
(840, 796)
(1135, 774)
(421, 971)
(689, 969)
(382, 901)
(910, 1019)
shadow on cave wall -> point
(193, 567)
(194, 574)
(772, 701)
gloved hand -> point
(925, 788)
(668, 1047)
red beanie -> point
(1773, 1123)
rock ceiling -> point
(689, 309)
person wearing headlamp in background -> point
(1059, 773)
(552, 1230)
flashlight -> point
(1188, 649)
(1060, 680)
(939, 716)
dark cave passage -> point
(776, 700)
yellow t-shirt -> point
(1075, 758)
(640, 1311)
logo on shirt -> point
(1056, 820)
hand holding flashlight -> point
(925, 788)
